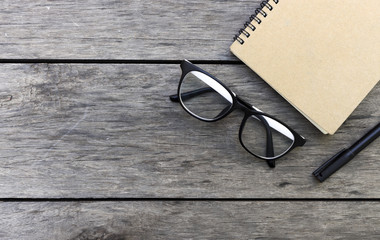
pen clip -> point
(319, 172)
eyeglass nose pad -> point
(271, 163)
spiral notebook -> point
(322, 56)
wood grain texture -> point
(111, 131)
(131, 29)
(190, 220)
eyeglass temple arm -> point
(270, 145)
(190, 94)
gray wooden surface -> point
(111, 130)
(130, 29)
(75, 132)
(190, 220)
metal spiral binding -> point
(254, 17)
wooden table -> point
(91, 147)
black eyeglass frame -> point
(237, 103)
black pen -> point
(345, 155)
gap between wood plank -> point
(190, 199)
(114, 61)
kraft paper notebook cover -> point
(322, 56)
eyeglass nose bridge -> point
(243, 105)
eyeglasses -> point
(206, 98)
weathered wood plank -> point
(131, 29)
(111, 131)
(190, 220)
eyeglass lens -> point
(204, 97)
(266, 137)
